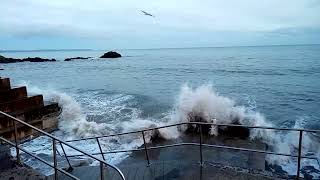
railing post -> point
(64, 152)
(145, 148)
(299, 153)
(101, 171)
(54, 149)
(16, 141)
(100, 148)
(201, 159)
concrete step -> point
(45, 118)
(13, 94)
(4, 84)
(23, 104)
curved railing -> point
(299, 156)
(54, 140)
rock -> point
(234, 131)
(9, 60)
(15, 60)
(73, 58)
(111, 54)
(156, 137)
(37, 59)
(231, 131)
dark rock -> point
(37, 59)
(9, 60)
(15, 60)
(231, 131)
(74, 58)
(234, 131)
(1, 69)
(111, 54)
(156, 137)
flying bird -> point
(147, 14)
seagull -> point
(147, 14)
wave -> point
(108, 113)
(205, 102)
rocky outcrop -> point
(37, 59)
(111, 54)
(231, 131)
(29, 59)
(75, 58)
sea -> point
(276, 86)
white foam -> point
(203, 101)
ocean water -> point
(272, 85)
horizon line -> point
(90, 49)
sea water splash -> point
(74, 124)
(203, 100)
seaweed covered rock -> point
(111, 54)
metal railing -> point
(145, 148)
(103, 163)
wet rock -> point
(156, 137)
(29, 59)
(235, 131)
(9, 60)
(111, 54)
(75, 58)
(37, 59)
(231, 131)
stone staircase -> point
(31, 109)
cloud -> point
(122, 20)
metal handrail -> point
(102, 162)
(198, 123)
(299, 156)
(40, 159)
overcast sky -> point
(117, 24)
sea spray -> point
(74, 124)
(205, 102)
(202, 100)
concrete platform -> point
(212, 155)
(171, 170)
(183, 162)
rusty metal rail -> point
(299, 156)
(103, 163)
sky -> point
(120, 24)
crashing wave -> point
(202, 103)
